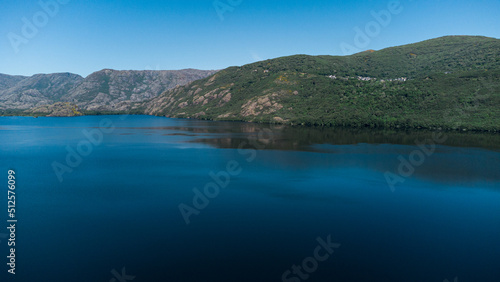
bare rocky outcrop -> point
(260, 105)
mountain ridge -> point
(106, 90)
(449, 82)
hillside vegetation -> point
(451, 83)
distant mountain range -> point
(450, 82)
(104, 91)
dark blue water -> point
(113, 209)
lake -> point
(140, 198)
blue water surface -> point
(115, 208)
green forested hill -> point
(449, 82)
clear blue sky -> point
(87, 36)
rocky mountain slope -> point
(110, 90)
(8, 81)
(39, 89)
(448, 82)
(102, 91)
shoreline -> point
(304, 125)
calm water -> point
(116, 203)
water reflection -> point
(464, 157)
(283, 137)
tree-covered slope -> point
(449, 82)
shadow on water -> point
(460, 157)
(297, 138)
